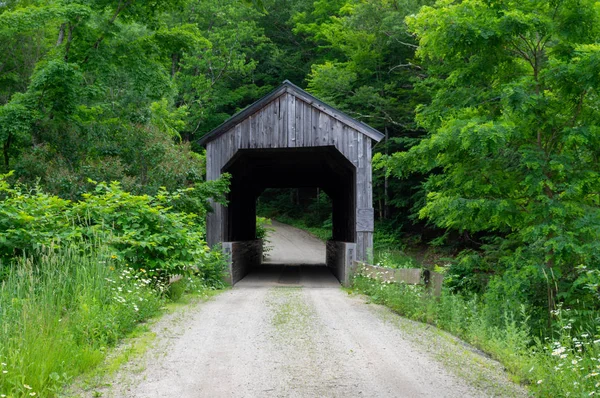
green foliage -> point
(512, 136)
(262, 232)
(147, 234)
(162, 235)
(394, 259)
(32, 219)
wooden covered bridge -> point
(290, 139)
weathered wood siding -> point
(291, 121)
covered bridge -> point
(290, 139)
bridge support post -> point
(340, 259)
(242, 257)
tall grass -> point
(568, 364)
(60, 310)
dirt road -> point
(293, 332)
(291, 245)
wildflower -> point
(27, 386)
(558, 351)
(540, 381)
(3, 364)
(5, 371)
(113, 256)
(574, 362)
(32, 394)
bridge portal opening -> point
(255, 170)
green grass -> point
(567, 365)
(394, 258)
(61, 311)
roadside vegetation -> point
(566, 364)
(77, 276)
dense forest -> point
(490, 111)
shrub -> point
(161, 235)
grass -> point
(568, 365)
(394, 258)
(61, 311)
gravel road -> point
(291, 245)
(293, 332)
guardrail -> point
(412, 276)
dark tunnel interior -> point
(254, 170)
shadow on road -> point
(270, 275)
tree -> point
(366, 68)
(514, 143)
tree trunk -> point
(61, 35)
(386, 205)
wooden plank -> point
(369, 174)
(336, 133)
(264, 126)
(298, 124)
(275, 121)
(308, 127)
(209, 157)
(343, 144)
(365, 218)
(268, 126)
(316, 132)
(361, 184)
(260, 128)
(360, 251)
(238, 136)
(324, 124)
(245, 134)
(250, 132)
(291, 121)
(283, 110)
(353, 143)
(231, 148)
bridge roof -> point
(289, 87)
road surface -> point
(291, 245)
(293, 332)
